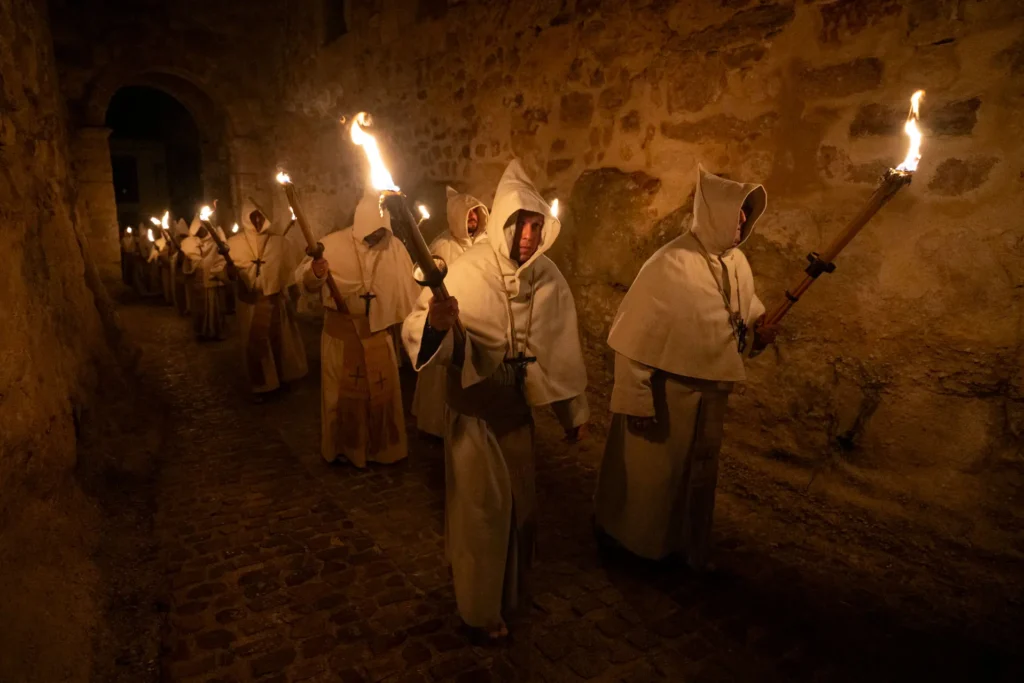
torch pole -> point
(431, 276)
(222, 246)
(892, 182)
(314, 248)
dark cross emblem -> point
(380, 380)
(358, 374)
(258, 263)
(369, 296)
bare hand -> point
(320, 267)
(577, 434)
(641, 425)
(764, 334)
(442, 314)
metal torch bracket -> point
(818, 265)
(442, 270)
(316, 252)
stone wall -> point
(56, 329)
(897, 384)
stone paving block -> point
(215, 639)
(273, 662)
(452, 666)
(317, 645)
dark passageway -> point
(154, 155)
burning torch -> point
(314, 248)
(430, 270)
(163, 224)
(204, 216)
(892, 182)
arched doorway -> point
(155, 155)
(91, 150)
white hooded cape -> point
(279, 255)
(485, 278)
(384, 269)
(674, 317)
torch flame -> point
(283, 178)
(554, 208)
(149, 234)
(128, 230)
(205, 213)
(154, 220)
(914, 133)
(234, 228)
(166, 220)
(380, 178)
(423, 211)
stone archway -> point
(92, 154)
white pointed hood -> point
(250, 206)
(716, 207)
(368, 217)
(516, 192)
(459, 206)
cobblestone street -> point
(280, 567)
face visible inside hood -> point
(467, 216)
(258, 220)
(516, 197)
(528, 235)
(725, 211)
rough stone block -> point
(721, 127)
(954, 176)
(748, 26)
(576, 109)
(841, 80)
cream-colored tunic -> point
(206, 266)
(490, 498)
(272, 349)
(362, 418)
(678, 354)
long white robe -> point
(490, 489)
(677, 357)
(362, 416)
(127, 257)
(209, 280)
(429, 400)
(272, 350)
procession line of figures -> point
(680, 336)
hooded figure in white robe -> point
(679, 338)
(148, 281)
(265, 262)
(180, 285)
(428, 401)
(128, 253)
(209, 280)
(162, 251)
(362, 418)
(522, 351)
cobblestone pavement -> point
(280, 567)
